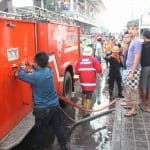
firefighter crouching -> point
(87, 67)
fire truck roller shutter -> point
(67, 86)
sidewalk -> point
(131, 133)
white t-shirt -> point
(98, 51)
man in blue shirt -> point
(45, 101)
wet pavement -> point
(96, 134)
(131, 133)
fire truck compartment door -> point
(17, 44)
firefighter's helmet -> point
(87, 51)
(115, 49)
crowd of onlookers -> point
(129, 66)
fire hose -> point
(81, 121)
(69, 101)
(89, 119)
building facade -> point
(83, 12)
(6, 5)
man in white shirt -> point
(98, 51)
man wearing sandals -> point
(133, 70)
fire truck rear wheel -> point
(68, 85)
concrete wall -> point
(3, 5)
(37, 3)
(6, 5)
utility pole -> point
(71, 5)
(132, 10)
(10, 7)
(42, 4)
(85, 6)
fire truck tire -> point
(67, 86)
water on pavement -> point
(95, 134)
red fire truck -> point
(20, 40)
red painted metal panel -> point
(62, 42)
(42, 37)
(17, 44)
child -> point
(86, 68)
(114, 72)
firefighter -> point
(87, 67)
(45, 101)
(107, 46)
(114, 72)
